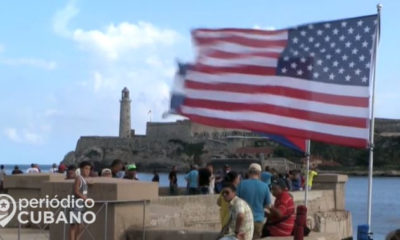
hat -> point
(255, 167)
(62, 167)
(106, 170)
(279, 182)
(131, 167)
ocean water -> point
(385, 203)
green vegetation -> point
(192, 150)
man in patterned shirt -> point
(240, 225)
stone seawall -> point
(177, 215)
(326, 209)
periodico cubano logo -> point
(69, 210)
(7, 209)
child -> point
(80, 190)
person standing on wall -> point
(173, 181)
(80, 191)
(193, 180)
(312, 173)
(204, 180)
(256, 194)
(2, 176)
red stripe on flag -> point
(277, 110)
(241, 41)
(243, 69)
(239, 30)
(274, 129)
(231, 55)
(281, 91)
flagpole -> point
(308, 154)
(372, 124)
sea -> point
(385, 202)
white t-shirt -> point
(53, 170)
(32, 170)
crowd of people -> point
(246, 209)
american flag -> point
(311, 82)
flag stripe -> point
(277, 129)
(276, 110)
(254, 61)
(282, 91)
(230, 55)
(244, 41)
(238, 48)
(281, 101)
(200, 75)
(243, 69)
(248, 33)
(283, 121)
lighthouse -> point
(125, 115)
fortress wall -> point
(165, 131)
(104, 142)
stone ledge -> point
(184, 234)
(331, 178)
(30, 180)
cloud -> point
(116, 40)
(62, 17)
(23, 136)
(1, 48)
(12, 134)
(269, 28)
(33, 62)
(138, 55)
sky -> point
(63, 64)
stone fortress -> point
(167, 143)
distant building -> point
(159, 146)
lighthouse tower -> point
(125, 115)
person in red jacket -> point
(281, 216)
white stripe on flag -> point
(266, 118)
(280, 81)
(255, 61)
(207, 34)
(281, 101)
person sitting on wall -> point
(106, 172)
(395, 235)
(16, 170)
(281, 216)
(233, 178)
(131, 172)
(116, 168)
(156, 177)
(33, 169)
(240, 224)
(71, 172)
